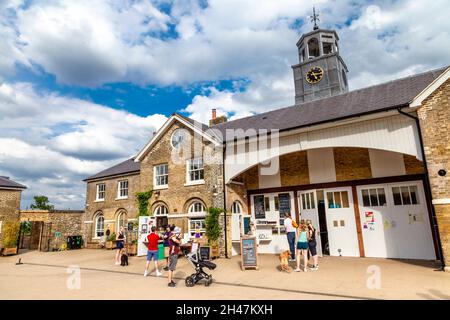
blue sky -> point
(84, 84)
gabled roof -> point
(197, 127)
(6, 183)
(432, 87)
(382, 97)
(126, 167)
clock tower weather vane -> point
(315, 18)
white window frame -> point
(119, 218)
(377, 194)
(157, 211)
(192, 210)
(236, 204)
(157, 186)
(409, 192)
(119, 189)
(97, 192)
(202, 222)
(96, 218)
(190, 182)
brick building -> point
(368, 167)
(10, 194)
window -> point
(122, 191)
(373, 197)
(99, 225)
(197, 225)
(308, 201)
(195, 170)
(327, 48)
(266, 204)
(101, 189)
(313, 48)
(161, 210)
(236, 207)
(276, 201)
(197, 207)
(406, 195)
(121, 220)
(337, 199)
(161, 174)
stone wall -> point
(434, 117)
(9, 208)
(111, 206)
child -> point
(302, 246)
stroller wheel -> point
(190, 282)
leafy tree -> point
(41, 203)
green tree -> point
(213, 230)
(41, 203)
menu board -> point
(249, 253)
(205, 253)
(260, 213)
(284, 203)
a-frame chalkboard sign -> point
(249, 253)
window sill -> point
(194, 183)
(103, 200)
(161, 187)
(122, 198)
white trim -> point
(118, 189)
(97, 199)
(123, 198)
(441, 201)
(164, 186)
(109, 221)
(190, 182)
(194, 183)
(197, 214)
(132, 219)
(163, 129)
(100, 200)
(432, 87)
(89, 221)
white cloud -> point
(51, 142)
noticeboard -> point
(260, 213)
(249, 253)
(284, 203)
(205, 253)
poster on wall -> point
(284, 200)
(369, 223)
(260, 213)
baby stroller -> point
(196, 261)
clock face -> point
(314, 75)
(179, 137)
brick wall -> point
(111, 206)
(434, 117)
(412, 165)
(352, 164)
(294, 169)
(9, 207)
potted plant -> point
(132, 250)
(111, 241)
(11, 231)
(213, 230)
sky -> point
(85, 83)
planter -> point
(110, 245)
(9, 251)
(215, 252)
(132, 249)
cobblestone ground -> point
(54, 276)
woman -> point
(166, 237)
(120, 243)
(302, 246)
(313, 244)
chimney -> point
(215, 119)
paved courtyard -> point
(45, 276)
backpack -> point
(294, 224)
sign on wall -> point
(260, 213)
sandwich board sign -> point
(205, 253)
(249, 253)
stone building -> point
(10, 195)
(368, 167)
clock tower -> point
(321, 72)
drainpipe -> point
(428, 190)
(224, 200)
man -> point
(167, 234)
(174, 249)
(152, 252)
(290, 233)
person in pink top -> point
(152, 253)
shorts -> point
(173, 259)
(302, 245)
(119, 245)
(152, 254)
(313, 247)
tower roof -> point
(305, 35)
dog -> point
(124, 259)
(284, 261)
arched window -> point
(313, 48)
(99, 222)
(236, 207)
(161, 210)
(197, 207)
(121, 220)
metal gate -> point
(35, 235)
(46, 236)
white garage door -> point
(394, 221)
